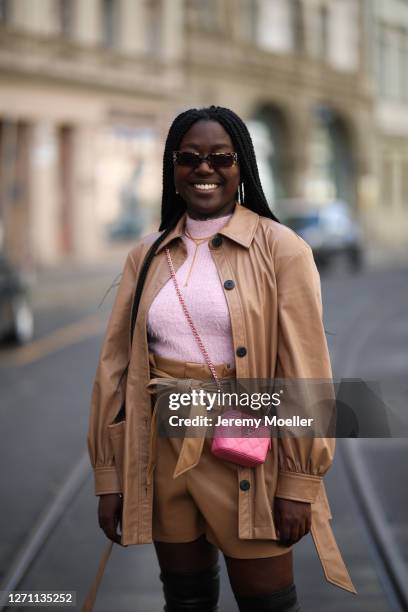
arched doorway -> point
(269, 131)
(332, 167)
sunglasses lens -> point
(185, 158)
(221, 160)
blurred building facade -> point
(388, 22)
(89, 88)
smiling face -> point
(218, 199)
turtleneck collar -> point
(199, 228)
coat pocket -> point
(117, 440)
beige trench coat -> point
(276, 318)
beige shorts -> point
(203, 500)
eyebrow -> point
(219, 145)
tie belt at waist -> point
(165, 378)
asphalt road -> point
(45, 392)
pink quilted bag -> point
(232, 442)
(237, 443)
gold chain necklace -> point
(198, 242)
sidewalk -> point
(71, 283)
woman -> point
(253, 293)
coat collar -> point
(240, 228)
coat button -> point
(241, 351)
(244, 485)
(229, 284)
(216, 241)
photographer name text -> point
(253, 422)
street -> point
(44, 414)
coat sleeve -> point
(303, 355)
(106, 396)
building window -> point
(387, 183)
(298, 34)
(403, 65)
(204, 14)
(109, 23)
(323, 30)
(153, 12)
(394, 84)
(392, 63)
(4, 11)
(65, 16)
(249, 19)
(383, 62)
(404, 182)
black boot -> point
(284, 600)
(191, 591)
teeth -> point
(205, 187)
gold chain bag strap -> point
(190, 321)
(228, 442)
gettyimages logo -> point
(195, 397)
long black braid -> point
(250, 189)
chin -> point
(208, 207)
(204, 207)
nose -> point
(204, 167)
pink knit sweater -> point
(169, 334)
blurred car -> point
(16, 315)
(330, 230)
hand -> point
(293, 520)
(110, 515)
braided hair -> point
(250, 190)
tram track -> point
(53, 511)
(389, 562)
(43, 528)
